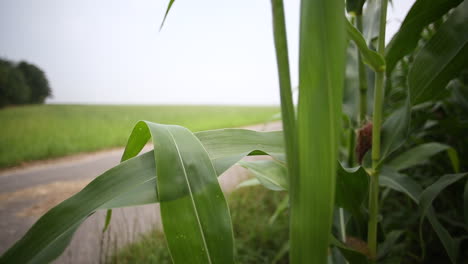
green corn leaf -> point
(133, 147)
(431, 192)
(167, 12)
(321, 77)
(54, 230)
(442, 58)
(133, 182)
(108, 220)
(450, 244)
(271, 174)
(284, 204)
(248, 183)
(421, 154)
(370, 57)
(425, 202)
(395, 130)
(402, 183)
(390, 178)
(351, 189)
(227, 146)
(354, 7)
(390, 240)
(142, 194)
(188, 190)
(287, 105)
(465, 203)
(421, 14)
(138, 138)
(399, 182)
(351, 184)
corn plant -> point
(343, 144)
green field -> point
(45, 131)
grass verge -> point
(44, 131)
(256, 240)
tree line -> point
(22, 83)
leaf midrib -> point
(191, 195)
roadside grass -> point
(256, 240)
(45, 131)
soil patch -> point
(46, 196)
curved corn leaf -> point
(421, 154)
(188, 190)
(140, 195)
(321, 78)
(227, 146)
(54, 229)
(441, 59)
(401, 183)
(133, 182)
(421, 14)
(248, 183)
(224, 146)
(351, 183)
(425, 201)
(351, 189)
(167, 12)
(450, 244)
(395, 129)
(133, 147)
(390, 178)
(370, 57)
(271, 174)
(282, 206)
(390, 240)
(108, 220)
(431, 192)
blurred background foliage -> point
(22, 83)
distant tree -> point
(13, 86)
(4, 70)
(37, 81)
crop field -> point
(44, 131)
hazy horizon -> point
(111, 52)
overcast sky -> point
(111, 51)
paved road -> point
(26, 193)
